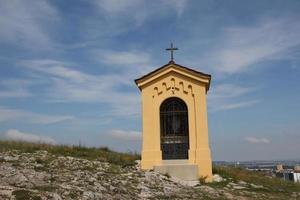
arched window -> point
(174, 129)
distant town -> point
(288, 170)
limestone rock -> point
(217, 178)
(47, 176)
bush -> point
(202, 179)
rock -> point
(124, 182)
(217, 178)
(183, 182)
(6, 191)
(10, 158)
(242, 183)
(209, 190)
(294, 195)
(92, 180)
(138, 164)
(54, 196)
(112, 188)
(231, 184)
(76, 178)
(18, 180)
(256, 186)
(98, 187)
(89, 195)
(228, 195)
(238, 187)
(145, 192)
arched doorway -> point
(174, 129)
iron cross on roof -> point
(171, 49)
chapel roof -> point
(170, 64)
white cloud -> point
(70, 85)
(115, 6)
(16, 93)
(14, 88)
(231, 106)
(7, 114)
(229, 96)
(241, 47)
(178, 5)
(129, 64)
(123, 58)
(255, 140)
(17, 135)
(55, 68)
(136, 12)
(126, 135)
(24, 22)
(229, 91)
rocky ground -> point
(42, 175)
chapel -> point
(174, 121)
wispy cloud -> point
(126, 135)
(117, 17)
(229, 96)
(255, 140)
(11, 88)
(115, 6)
(56, 69)
(229, 91)
(7, 114)
(17, 135)
(230, 106)
(70, 85)
(140, 10)
(239, 48)
(23, 23)
(123, 57)
(131, 64)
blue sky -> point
(67, 70)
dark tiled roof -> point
(172, 62)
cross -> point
(172, 49)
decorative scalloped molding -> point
(174, 86)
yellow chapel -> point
(174, 122)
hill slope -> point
(39, 171)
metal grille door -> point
(174, 129)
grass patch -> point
(257, 178)
(202, 179)
(73, 195)
(114, 169)
(167, 175)
(48, 188)
(90, 153)
(25, 195)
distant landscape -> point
(260, 164)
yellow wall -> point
(174, 82)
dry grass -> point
(269, 183)
(90, 153)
